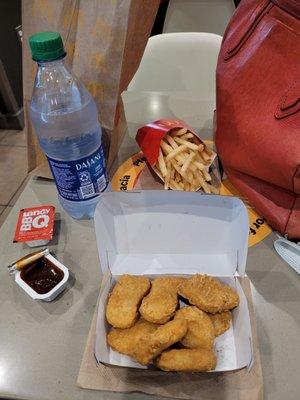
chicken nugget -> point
(221, 322)
(200, 333)
(231, 298)
(123, 302)
(208, 294)
(162, 301)
(125, 340)
(187, 360)
(151, 345)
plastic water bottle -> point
(65, 119)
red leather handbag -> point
(258, 109)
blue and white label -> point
(81, 179)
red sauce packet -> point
(35, 223)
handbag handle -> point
(289, 103)
(242, 36)
(291, 6)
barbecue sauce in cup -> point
(42, 276)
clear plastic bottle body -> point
(65, 119)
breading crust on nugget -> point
(208, 294)
(187, 360)
(125, 340)
(151, 345)
(123, 303)
(221, 322)
(200, 333)
(161, 303)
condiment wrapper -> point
(35, 223)
(149, 137)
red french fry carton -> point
(35, 225)
(149, 138)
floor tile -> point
(13, 170)
(3, 133)
(4, 214)
(13, 138)
(19, 191)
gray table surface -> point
(41, 344)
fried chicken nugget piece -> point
(125, 340)
(208, 294)
(151, 345)
(161, 303)
(200, 333)
(221, 322)
(123, 302)
(187, 360)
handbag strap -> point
(291, 6)
(290, 102)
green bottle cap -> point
(46, 46)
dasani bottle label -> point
(81, 179)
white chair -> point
(198, 16)
(179, 62)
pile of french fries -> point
(183, 162)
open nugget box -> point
(174, 233)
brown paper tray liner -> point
(238, 385)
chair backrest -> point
(179, 62)
(198, 16)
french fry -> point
(161, 163)
(171, 141)
(177, 176)
(190, 176)
(182, 163)
(166, 148)
(206, 175)
(178, 169)
(198, 165)
(189, 145)
(172, 175)
(179, 132)
(200, 147)
(179, 149)
(200, 158)
(180, 158)
(205, 156)
(208, 151)
(168, 176)
(175, 185)
(186, 136)
(187, 162)
(203, 184)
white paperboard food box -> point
(177, 233)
